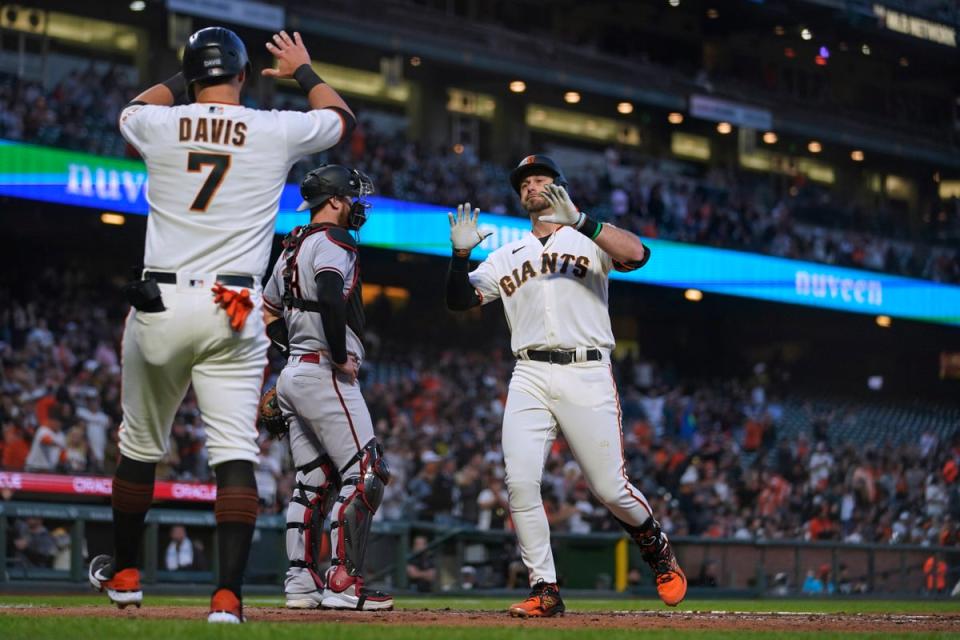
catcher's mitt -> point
(270, 418)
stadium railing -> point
(587, 561)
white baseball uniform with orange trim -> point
(215, 175)
(555, 298)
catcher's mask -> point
(330, 180)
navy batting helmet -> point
(536, 165)
(214, 53)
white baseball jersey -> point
(216, 172)
(554, 295)
(318, 252)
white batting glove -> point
(464, 235)
(564, 211)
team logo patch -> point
(213, 62)
(528, 160)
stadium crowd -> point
(731, 209)
(706, 453)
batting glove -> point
(464, 235)
(564, 211)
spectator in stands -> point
(15, 448)
(98, 424)
(34, 545)
(76, 451)
(48, 449)
(179, 555)
(493, 504)
(421, 570)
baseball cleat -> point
(544, 601)
(671, 581)
(309, 600)
(225, 608)
(352, 594)
(122, 587)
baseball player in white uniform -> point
(216, 171)
(314, 309)
(554, 287)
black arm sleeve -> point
(461, 295)
(349, 123)
(333, 313)
(277, 332)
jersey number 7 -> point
(220, 163)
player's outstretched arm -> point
(464, 236)
(293, 61)
(624, 247)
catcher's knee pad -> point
(359, 499)
(313, 497)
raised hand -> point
(464, 235)
(564, 211)
(289, 52)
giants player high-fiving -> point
(553, 284)
(216, 171)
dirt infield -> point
(703, 620)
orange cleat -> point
(671, 581)
(122, 587)
(225, 607)
(544, 602)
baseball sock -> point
(131, 499)
(236, 513)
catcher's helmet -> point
(536, 165)
(329, 180)
(214, 53)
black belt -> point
(560, 356)
(168, 277)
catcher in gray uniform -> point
(313, 308)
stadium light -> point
(693, 295)
(770, 137)
(116, 219)
(675, 118)
(724, 128)
(779, 30)
(674, 3)
(884, 321)
(814, 147)
(518, 86)
(712, 13)
(865, 49)
(625, 108)
(138, 5)
(806, 34)
(571, 97)
(415, 61)
(856, 155)
(904, 62)
(458, 148)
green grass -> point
(573, 604)
(17, 628)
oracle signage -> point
(99, 486)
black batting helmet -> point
(536, 165)
(214, 53)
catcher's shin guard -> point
(359, 499)
(312, 500)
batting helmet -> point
(214, 53)
(536, 165)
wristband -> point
(590, 227)
(306, 77)
(177, 86)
